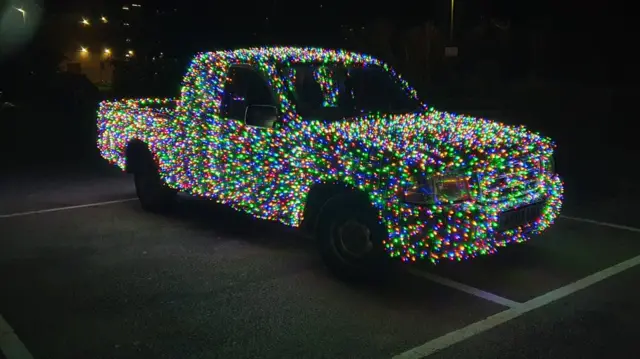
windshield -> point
(332, 92)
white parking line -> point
(479, 327)
(58, 209)
(467, 289)
(599, 223)
(10, 345)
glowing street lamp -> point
(24, 13)
(453, 5)
(85, 22)
(104, 19)
(130, 53)
(107, 52)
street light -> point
(453, 2)
(107, 52)
(85, 22)
(24, 13)
(104, 19)
(130, 53)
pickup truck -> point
(339, 145)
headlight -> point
(439, 189)
(420, 194)
(548, 165)
(452, 189)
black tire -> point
(369, 261)
(153, 194)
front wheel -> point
(350, 240)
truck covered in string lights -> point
(338, 144)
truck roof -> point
(295, 54)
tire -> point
(153, 194)
(349, 238)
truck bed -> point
(124, 120)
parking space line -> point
(467, 289)
(456, 336)
(58, 209)
(10, 345)
(599, 223)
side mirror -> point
(261, 115)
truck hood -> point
(449, 140)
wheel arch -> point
(321, 194)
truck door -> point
(252, 154)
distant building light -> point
(125, 8)
(125, 23)
(127, 40)
(136, 5)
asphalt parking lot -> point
(108, 280)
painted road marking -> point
(10, 345)
(605, 224)
(479, 327)
(49, 210)
(467, 289)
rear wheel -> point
(350, 240)
(153, 194)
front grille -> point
(519, 216)
(518, 178)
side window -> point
(319, 91)
(374, 89)
(244, 87)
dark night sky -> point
(565, 12)
(288, 9)
(604, 24)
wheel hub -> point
(354, 238)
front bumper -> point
(470, 229)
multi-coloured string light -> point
(269, 172)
